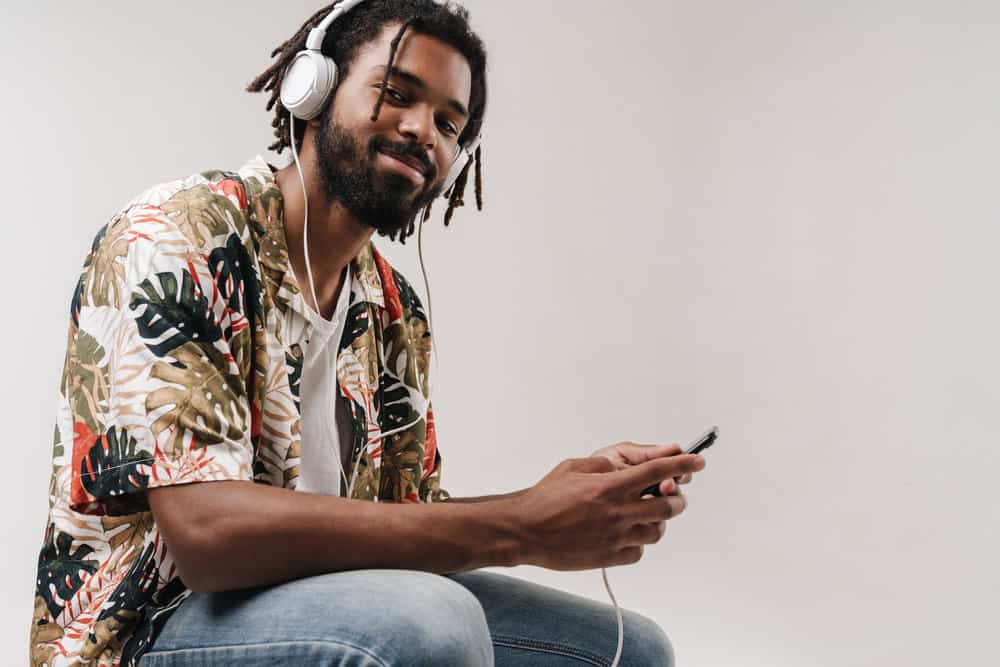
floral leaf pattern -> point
(169, 315)
(111, 466)
(197, 398)
(178, 370)
(62, 568)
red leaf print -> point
(231, 189)
(83, 440)
(430, 444)
(392, 303)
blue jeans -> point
(403, 618)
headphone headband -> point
(318, 34)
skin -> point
(585, 513)
(423, 116)
(626, 454)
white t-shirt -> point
(326, 418)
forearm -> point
(483, 499)
(228, 535)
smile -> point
(406, 165)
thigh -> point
(362, 618)
(534, 625)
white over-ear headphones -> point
(312, 77)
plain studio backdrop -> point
(778, 217)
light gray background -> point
(778, 217)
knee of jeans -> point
(646, 641)
(452, 630)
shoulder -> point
(205, 207)
(175, 224)
(203, 210)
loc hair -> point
(443, 20)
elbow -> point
(194, 542)
(192, 554)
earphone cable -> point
(305, 203)
(431, 376)
(305, 247)
(618, 615)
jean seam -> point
(299, 642)
(549, 647)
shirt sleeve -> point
(156, 366)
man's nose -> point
(417, 125)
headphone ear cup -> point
(308, 82)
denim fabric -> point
(397, 618)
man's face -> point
(385, 171)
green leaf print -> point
(173, 309)
(111, 466)
(61, 567)
(85, 380)
(202, 215)
(204, 398)
(105, 267)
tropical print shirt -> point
(177, 370)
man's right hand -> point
(585, 514)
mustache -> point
(408, 149)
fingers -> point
(636, 453)
(645, 533)
(653, 509)
(668, 486)
(632, 481)
(627, 556)
(676, 504)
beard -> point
(387, 202)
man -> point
(210, 399)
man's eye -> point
(448, 127)
(395, 94)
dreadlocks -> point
(447, 22)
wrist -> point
(512, 544)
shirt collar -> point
(265, 209)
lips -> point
(408, 160)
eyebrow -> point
(419, 84)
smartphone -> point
(696, 447)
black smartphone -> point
(696, 447)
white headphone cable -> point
(618, 615)
(430, 318)
(312, 289)
(305, 249)
(305, 202)
(431, 376)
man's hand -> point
(586, 514)
(626, 454)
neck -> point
(335, 235)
